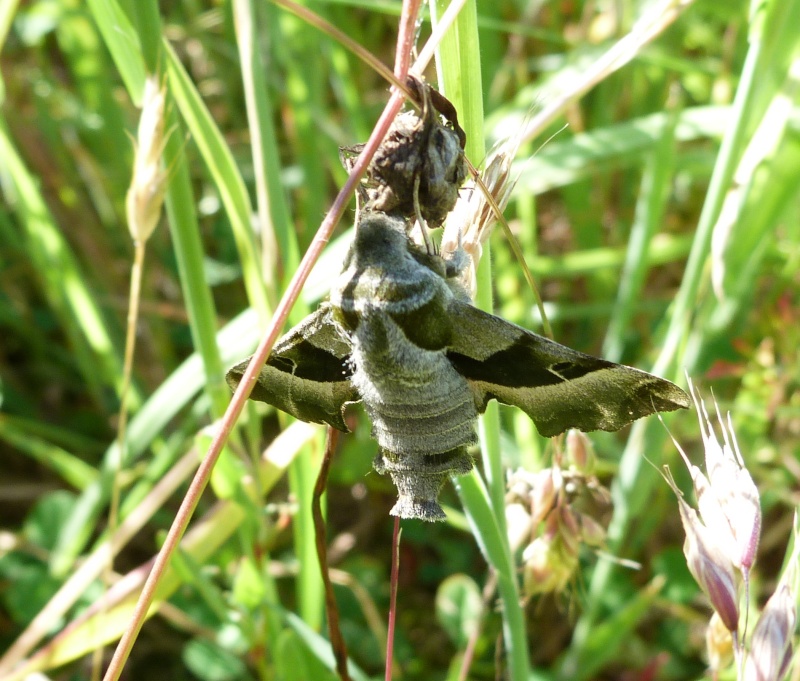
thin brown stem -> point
(405, 38)
(469, 652)
(334, 630)
(393, 599)
(315, 20)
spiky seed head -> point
(729, 501)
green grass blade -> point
(227, 179)
(122, 42)
(60, 275)
(237, 339)
(459, 70)
(633, 487)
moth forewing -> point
(559, 388)
(307, 374)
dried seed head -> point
(519, 525)
(734, 490)
(593, 533)
(470, 223)
(710, 566)
(148, 184)
(550, 561)
(580, 451)
(546, 485)
(568, 508)
(771, 645)
(530, 497)
(569, 529)
(711, 511)
(729, 506)
(535, 491)
(587, 496)
(547, 565)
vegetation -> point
(655, 204)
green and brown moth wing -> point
(307, 374)
(559, 388)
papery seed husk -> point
(710, 566)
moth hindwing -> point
(399, 335)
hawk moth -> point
(400, 335)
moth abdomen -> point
(424, 433)
(422, 410)
(420, 477)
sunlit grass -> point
(661, 224)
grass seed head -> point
(734, 491)
(148, 184)
(548, 565)
(710, 566)
(553, 512)
(771, 645)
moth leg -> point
(423, 226)
(457, 261)
(427, 117)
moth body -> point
(391, 303)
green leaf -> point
(458, 607)
(210, 662)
